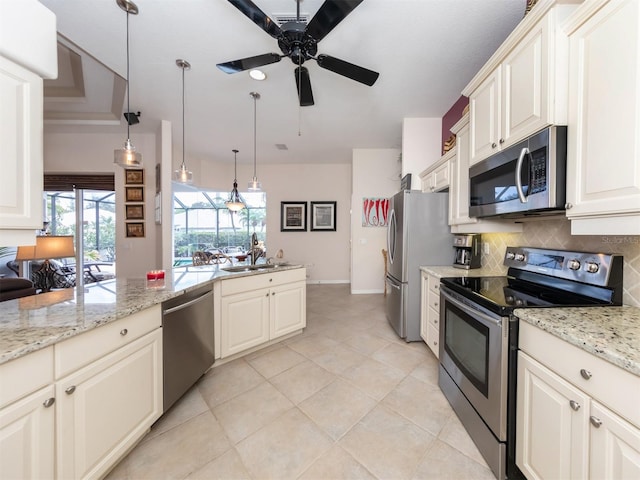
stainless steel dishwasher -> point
(187, 341)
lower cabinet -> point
(260, 308)
(564, 429)
(27, 436)
(430, 312)
(104, 408)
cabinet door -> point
(604, 121)
(525, 86)
(424, 305)
(27, 436)
(551, 426)
(287, 309)
(459, 189)
(103, 409)
(20, 153)
(484, 109)
(615, 445)
(244, 321)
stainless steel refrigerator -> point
(417, 234)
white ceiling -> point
(425, 50)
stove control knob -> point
(511, 255)
(574, 264)
(519, 302)
(592, 267)
(520, 257)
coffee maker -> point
(467, 251)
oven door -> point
(474, 350)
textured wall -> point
(557, 234)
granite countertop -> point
(30, 323)
(449, 271)
(611, 333)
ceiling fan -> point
(299, 42)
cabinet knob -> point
(494, 145)
(273, 293)
(437, 287)
(574, 405)
(435, 322)
(501, 141)
(271, 279)
(70, 390)
(586, 374)
(568, 206)
(595, 421)
(48, 402)
(435, 304)
(435, 343)
(124, 331)
(267, 295)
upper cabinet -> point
(28, 53)
(523, 86)
(603, 153)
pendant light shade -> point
(183, 175)
(235, 202)
(127, 156)
(254, 184)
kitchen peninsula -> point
(82, 372)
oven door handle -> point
(472, 311)
(523, 198)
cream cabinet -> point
(28, 53)
(436, 178)
(430, 312)
(577, 415)
(523, 87)
(603, 170)
(260, 308)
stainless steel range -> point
(479, 336)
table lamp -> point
(46, 248)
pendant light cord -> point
(183, 142)
(128, 84)
(255, 99)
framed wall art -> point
(135, 229)
(134, 212)
(323, 216)
(293, 216)
(134, 177)
(134, 194)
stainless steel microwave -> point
(527, 179)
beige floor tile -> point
(228, 380)
(336, 464)
(421, 403)
(339, 358)
(337, 407)
(366, 342)
(276, 361)
(179, 451)
(387, 444)
(427, 371)
(399, 356)
(455, 435)
(250, 411)
(226, 467)
(302, 381)
(190, 405)
(313, 345)
(285, 448)
(444, 462)
(374, 378)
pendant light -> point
(127, 156)
(254, 185)
(235, 202)
(183, 175)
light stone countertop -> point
(611, 333)
(449, 271)
(30, 323)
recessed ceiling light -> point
(257, 74)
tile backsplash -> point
(557, 234)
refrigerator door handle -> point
(391, 236)
(393, 285)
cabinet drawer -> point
(26, 374)
(434, 318)
(434, 301)
(433, 337)
(607, 383)
(434, 285)
(87, 347)
(262, 280)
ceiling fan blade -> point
(354, 72)
(257, 16)
(330, 14)
(236, 66)
(303, 82)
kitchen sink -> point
(250, 268)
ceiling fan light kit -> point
(257, 74)
(299, 42)
(127, 156)
(182, 175)
(254, 184)
(235, 202)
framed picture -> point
(293, 216)
(323, 216)
(134, 194)
(135, 229)
(134, 212)
(134, 177)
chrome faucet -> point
(255, 252)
